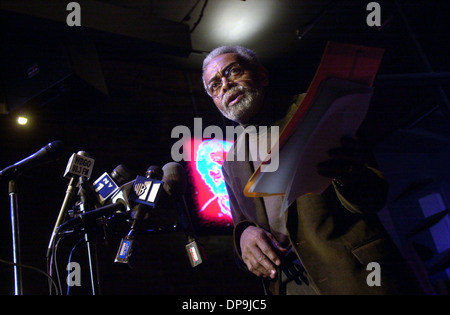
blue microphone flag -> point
(146, 191)
(105, 186)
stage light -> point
(22, 120)
(237, 22)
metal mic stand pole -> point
(63, 212)
(92, 255)
(15, 237)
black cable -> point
(200, 17)
(52, 262)
(50, 259)
(54, 257)
(187, 17)
(70, 259)
(34, 269)
(302, 30)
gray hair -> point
(246, 54)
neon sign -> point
(205, 173)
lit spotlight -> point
(21, 120)
(240, 21)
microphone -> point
(122, 195)
(107, 185)
(146, 190)
(144, 193)
(79, 163)
(52, 151)
(88, 217)
(175, 183)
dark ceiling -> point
(116, 86)
(142, 51)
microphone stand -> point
(63, 211)
(12, 191)
(92, 254)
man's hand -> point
(259, 251)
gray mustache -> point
(229, 93)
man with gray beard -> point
(323, 244)
(243, 90)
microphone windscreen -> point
(154, 172)
(175, 177)
(121, 174)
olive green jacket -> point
(335, 234)
(334, 239)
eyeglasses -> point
(233, 72)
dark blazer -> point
(334, 239)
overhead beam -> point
(172, 37)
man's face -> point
(235, 87)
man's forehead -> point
(219, 62)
